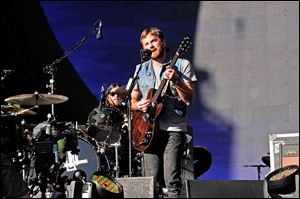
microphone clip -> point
(99, 35)
(50, 69)
(6, 73)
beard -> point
(160, 54)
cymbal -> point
(36, 99)
(8, 109)
(121, 91)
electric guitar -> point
(144, 123)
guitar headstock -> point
(185, 44)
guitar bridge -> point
(146, 140)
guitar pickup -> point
(146, 117)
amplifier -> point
(138, 187)
(284, 150)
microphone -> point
(145, 54)
(99, 35)
(102, 97)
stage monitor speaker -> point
(138, 187)
(223, 189)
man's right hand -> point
(143, 104)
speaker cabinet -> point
(138, 187)
(223, 189)
(284, 150)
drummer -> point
(112, 99)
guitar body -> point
(144, 124)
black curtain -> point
(29, 46)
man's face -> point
(154, 44)
(113, 98)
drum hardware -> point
(105, 125)
(116, 167)
(104, 122)
(50, 139)
(15, 111)
(79, 187)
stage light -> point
(282, 183)
(106, 187)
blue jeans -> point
(163, 160)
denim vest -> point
(174, 107)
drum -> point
(87, 159)
(105, 125)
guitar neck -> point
(164, 81)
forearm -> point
(134, 106)
(185, 91)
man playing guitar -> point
(173, 85)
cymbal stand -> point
(52, 89)
(52, 69)
(116, 167)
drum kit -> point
(51, 152)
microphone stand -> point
(258, 169)
(132, 83)
(51, 68)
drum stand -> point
(116, 167)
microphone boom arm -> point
(50, 69)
